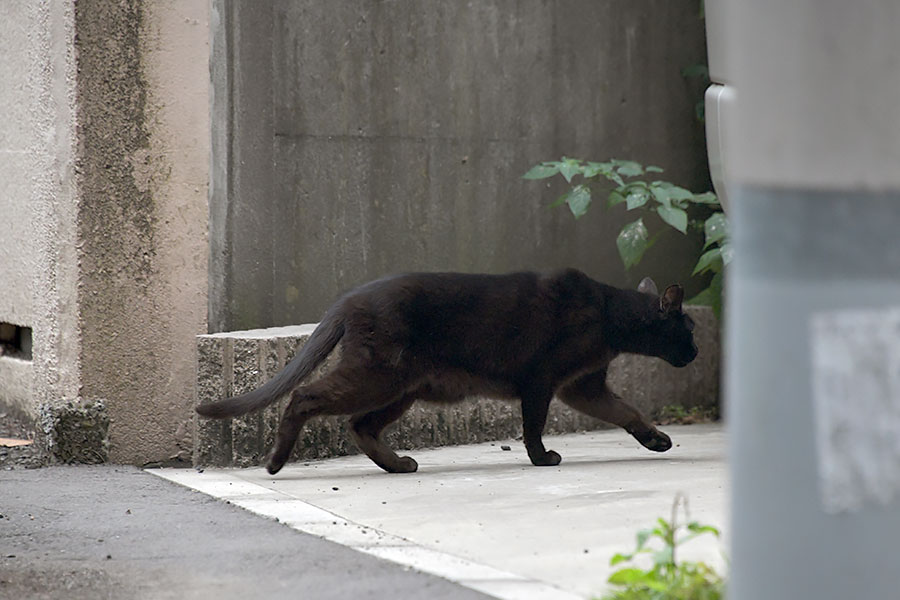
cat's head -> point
(669, 332)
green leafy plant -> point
(628, 183)
(667, 578)
(678, 414)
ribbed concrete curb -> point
(234, 362)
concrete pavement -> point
(483, 517)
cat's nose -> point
(686, 358)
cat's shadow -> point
(493, 469)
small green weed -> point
(667, 579)
(678, 415)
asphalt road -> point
(97, 532)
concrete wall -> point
(114, 169)
(17, 134)
(142, 173)
(354, 139)
(37, 200)
(16, 262)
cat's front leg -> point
(534, 415)
(591, 396)
(649, 436)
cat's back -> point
(432, 289)
(444, 303)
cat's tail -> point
(314, 351)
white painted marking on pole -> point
(856, 398)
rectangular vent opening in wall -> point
(15, 341)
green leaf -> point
(569, 168)
(653, 169)
(561, 200)
(619, 558)
(632, 242)
(696, 527)
(542, 171)
(712, 295)
(628, 168)
(710, 259)
(630, 576)
(661, 194)
(704, 298)
(592, 169)
(706, 198)
(615, 197)
(679, 193)
(637, 198)
(664, 530)
(663, 557)
(578, 199)
(715, 228)
(675, 217)
(727, 253)
(642, 536)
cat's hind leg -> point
(343, 391)
(591, 396)
(366, 429)
(304, 403)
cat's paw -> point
(548, 459)
(654, 440)
(405, 464)
(274, 464)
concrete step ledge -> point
(235, 362)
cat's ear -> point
(647, 286)
(670, 301)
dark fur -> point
(446, 336)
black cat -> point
(443, 337)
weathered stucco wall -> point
(361, 138)
(16, 249)
(17, 135)
(104, 180)
(142, 173)
(38, 267)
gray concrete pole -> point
(813, 323)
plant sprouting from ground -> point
(668, 578)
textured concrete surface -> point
(35, 195)
(74, 432)
(16, 393)
(357, 139)
(484, 517)
(16, 135)
(141, 173)
(84, 533)
(236, 362)
(107, 147)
